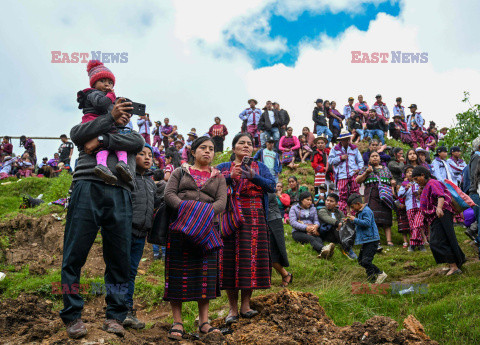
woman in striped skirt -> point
(245, 262)
(190, 273)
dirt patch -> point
(290, 317)
(38, 242)
(286, 318)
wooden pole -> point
(40, 138)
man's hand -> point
(120, 112)
(91, 146)
(439, 212)
(350, 217)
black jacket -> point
(474, 173)
(319, 117)
(143, 200)
(284, 117)
(264, 122)
(376, 123)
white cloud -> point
(324, 69)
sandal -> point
(175, 330)
(249, 314)
(210, 330)
(231, 319)
(285, 283)
(390, 244)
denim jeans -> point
(360, 133)
(371, 132)
(324, 130)
(136, 252)
(476, 199)
(156, 249)
(274, 132)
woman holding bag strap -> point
(244, 260)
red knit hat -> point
(97, 70)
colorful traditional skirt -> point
(402, 218)
(190, 275)
(245, 257)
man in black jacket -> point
(375, 126)
(143, 200)
(269, 125)
(284, 118)
(320, 120)
(93, 205)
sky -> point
(193, 60)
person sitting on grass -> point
(305, 151)
(331, 220)
(295, 190)
(305, 226)
(437, 209)
(367, 235)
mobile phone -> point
(247, 161)
(138, 108)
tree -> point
(465, 129)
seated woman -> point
(305, 225)
(375, 176)
(289, 146)
(398, 130)
(436, 205)
(295, 190)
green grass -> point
(51, 188)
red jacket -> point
(318, 163)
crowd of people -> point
(225, 223)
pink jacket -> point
(295, 139)
(357, 109)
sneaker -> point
(157, 256)
(124, 171)
(131, 320)
(331, 250)
(411, 248)
(113, 326)
(350, 254)
(379, 249)
(422, 248)
(381, 278)
(76, 329)
(105, 174)
(324, 253)
(405, 245)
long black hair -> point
(172, 153)
(237, 138)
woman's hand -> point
(369, 169)
(236, 171)
(439, 212)
(247, 172)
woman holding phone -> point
(244, 260)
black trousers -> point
(443, 241)
(95, 205)
(365, 258)
(302, 237)
(218, 143)
(331, 236)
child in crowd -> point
(409, 191)
(422, 158)
(305, 151)
(432, 139)
(321, 196)
(355, 126)
(367, 235)
(270, 158)
(6, 170)
(320, 161)
(25, 166)
(157, 134)
(456, 165)
(97, 101)
(283, 201)
(142, 220)
(440, 167)
(442, 133)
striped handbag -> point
(231, 219)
